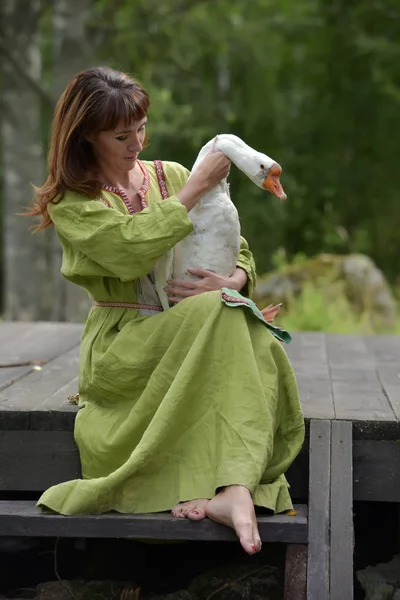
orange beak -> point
(272, 183)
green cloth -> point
(176, 405)
(234, 298)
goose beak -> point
(272, 183)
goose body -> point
(214, 243)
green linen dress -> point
(172, 405)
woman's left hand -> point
(178, 290)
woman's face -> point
(118, 149)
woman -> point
(194, 409)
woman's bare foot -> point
(194, 509)
(234, 507)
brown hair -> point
(94, 100)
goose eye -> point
(262, 167)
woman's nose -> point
(135, 145)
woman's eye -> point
(122, 138)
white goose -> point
(214, 244)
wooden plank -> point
(342, 530)
(349, 350)
(360, 401)
(14, 420)
(40, 340)
(8, 375)
(308, 346)
(11, 331)
(315, 395)
(389, 376)
(295, 587)
(376, 430)
(319, 518)
(376, 467)
(308, 356)
(385, 348)
(34, 341)
(35, 460)
(23, 518)
(40, 389)
(357, 391)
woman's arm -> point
(242, 280)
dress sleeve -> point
(247, 263)
(127, 246)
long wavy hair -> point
(94, 100)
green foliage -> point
(313, 83)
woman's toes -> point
(176, 511)
(196, 515)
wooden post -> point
(342, 537)
(296, 572)
(318, 515)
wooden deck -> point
(340, 377)
(350, 392)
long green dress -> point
(177, 404)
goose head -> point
(260, 168)
(265, 173)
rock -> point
(83, 590)
(239, 580)
(381, 582)
(363, 284)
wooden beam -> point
(23, 518)
(341, 528)
(318, 516)
(35, 460)
(376, 467)
(295, 587)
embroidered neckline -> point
(141, 193)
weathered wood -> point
(318, 517)
(385, 348)
(33, 460)
(27, 342)
(348, 350)
(357, 391)
(41, 389)
(341, 529)
(376, 466)
(361, 401)
(310, 362)
(343, 377)
(389, 376)
(23, 518)
(296, 572)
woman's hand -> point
(178, 290)
(269, 312)
(212, 169)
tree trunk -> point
(71, 54)
(26, 291)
